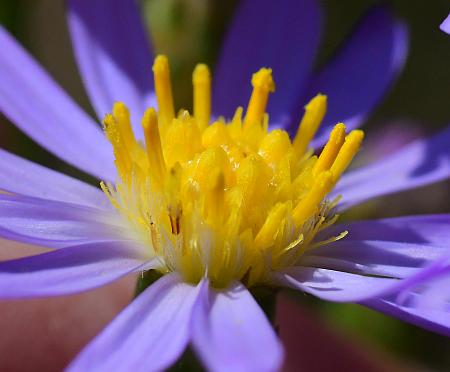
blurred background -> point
(190, 31)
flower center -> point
(230, 200)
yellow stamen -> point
(123, 157)
(201, 80)
(122, 118)
(331, 149)
(214, 200)
(233, 200)
(346, 153)
(208, 161)
(267, 234)
(163, 89)
(182, 140)
(275, 146)
(262, 85)
(309, 204)
(215, 135)
(157, 165)
(314, 112)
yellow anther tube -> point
(121, 153)
(262, 85)
(267, 234)
(275, 146)
(201, 80)
(331, 149)
(314, 112)
(214, 199)
(157, 165)
(346, 153)
(122, 118)
(163, 89)
(210, 159)
(310, 203)
(215, 135)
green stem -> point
(266, 298)
(146, 279)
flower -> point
(201, 177)
(445, 25)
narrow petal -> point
(435, 321)
(24, 177)
(340, 286)
(358, 77)
(396, 247)
(445, 26)
(66, 271)
(425, 304)
(334, 285)
(149, 335)
(373, 257)
(436, 296)
(54, 224)
(231, 332)
(40, 108)
(113, 54)
(429, 229)
(266, 33)
(418, 164)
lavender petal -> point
(149, 335)
(358, 77)
(425, 303)
(231, 332)
(393, 247)
(69, 270)
(24, 177)
(340, 286)
(113, 54)
(445, 25)
(38, 106)
(265, 33)
(55, 224)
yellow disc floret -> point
(227, 200)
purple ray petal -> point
(436, 296)
(395, 247)
(373, 257)
(435, 321)
(55, 224)
(334, 285)
(21, 176)
(149, 335)
(266, 33)
(423, 162)
(358, 77)
(340, 286)
(423, 229)
(113, 54)
(69, 270)
(40, 108)
(425, 304)
(445, 26)
(231, 332)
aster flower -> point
(445, 26)
(217, 207)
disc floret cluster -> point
(230, 200)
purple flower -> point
(445, 26)
(167, 199)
